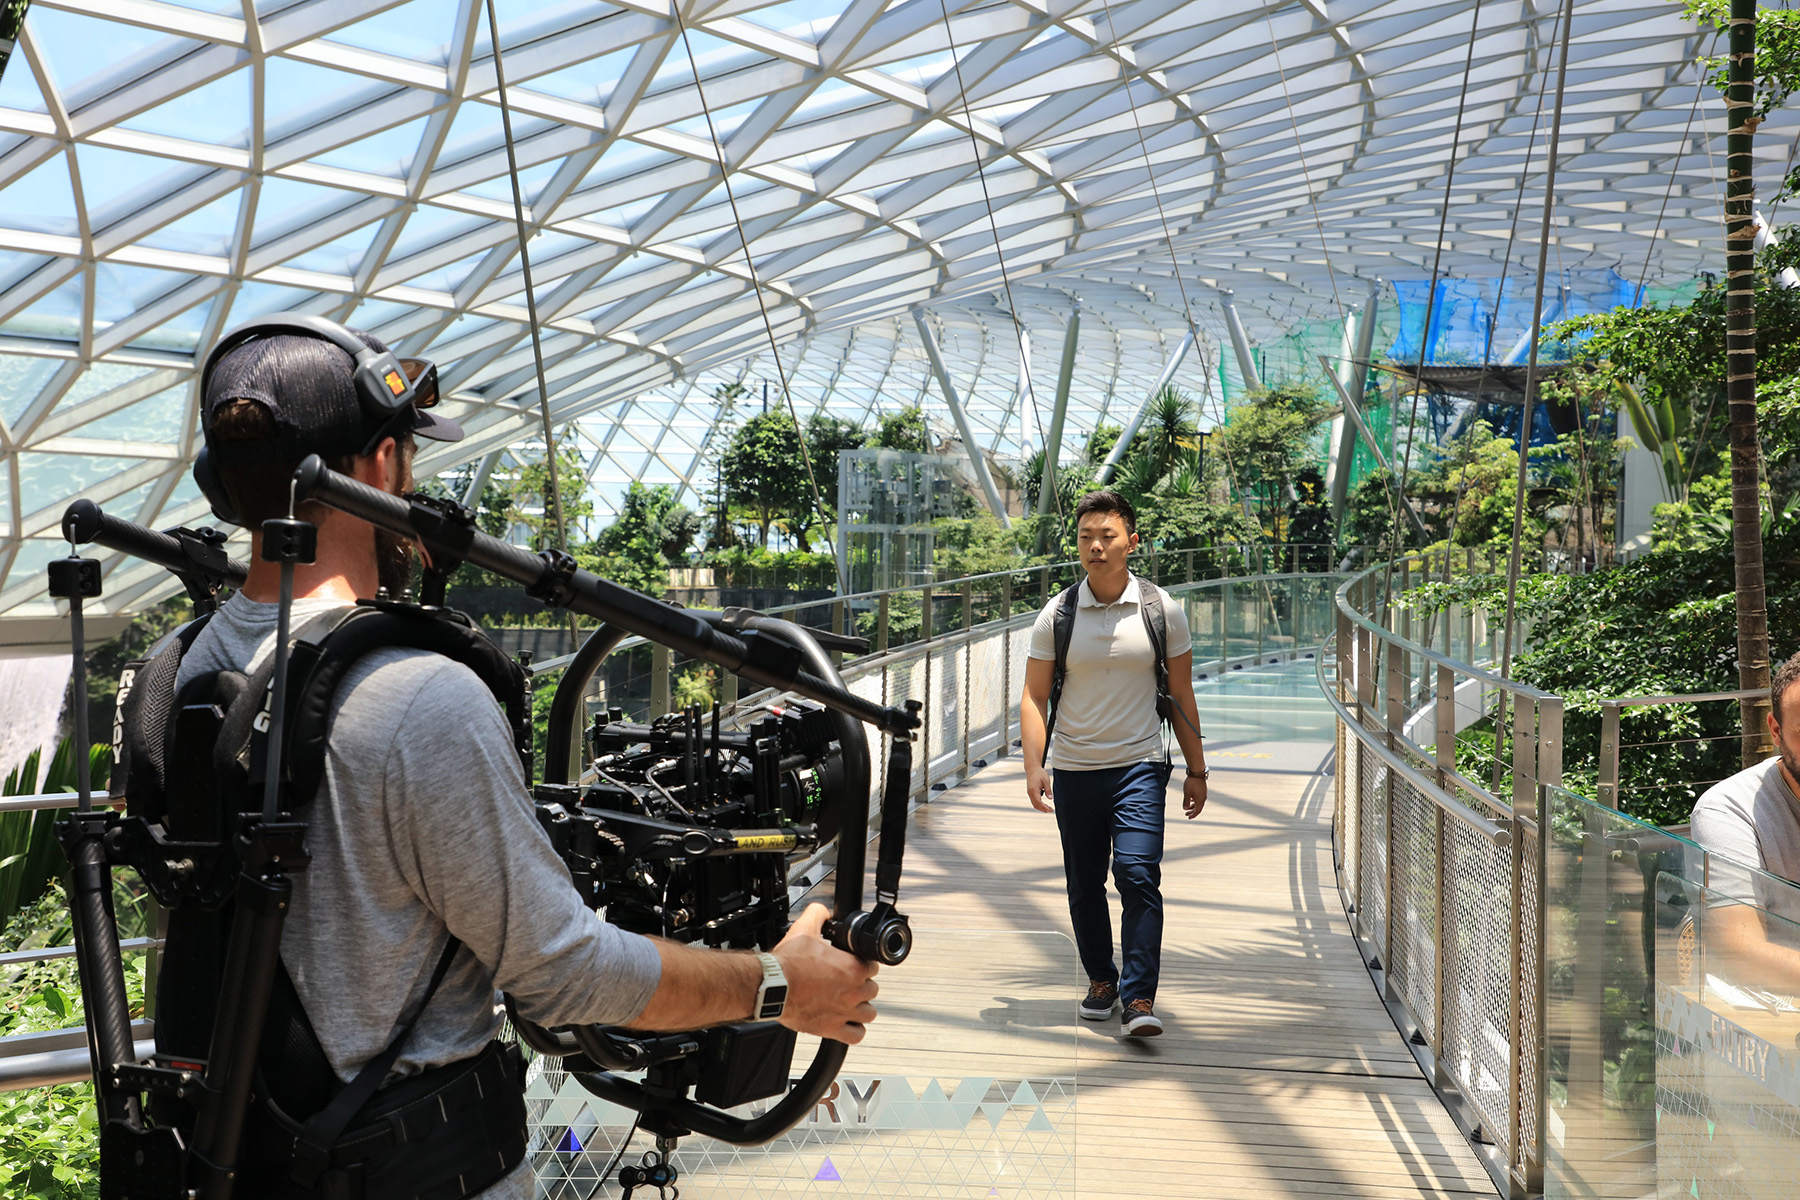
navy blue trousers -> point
(1115, 815)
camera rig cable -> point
(447, 531)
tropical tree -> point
(1270, 440)
(903, 429)
(763, 472)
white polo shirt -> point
(1107, 714)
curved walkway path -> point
(1280, 1073)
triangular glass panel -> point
(160, 418)
(23, 378)
(57, 316)
(420, 31)
(430, 226)
(33, 556)
(42, 200)
(255, 299)
(390, 152)
(531, 182)
(116, 180)
(78, 47)
(49, 479)
(216, 113)
(120, 292)
(299, 95)
(284, 205)
(809, 19)
(182, 332)
(340, 256)
(714, 56)
(590, 81)
(19, 86)
(446, 278)
(207, 230)
(100, 378)
(373, 314)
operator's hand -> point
(831, 994)
(1038, 789)
(1193, 796)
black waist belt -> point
(443, 1134)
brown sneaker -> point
(1101, 1001)
(1138, 1021)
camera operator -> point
(423, 829)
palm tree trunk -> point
(1740, 384)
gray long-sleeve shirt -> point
(423, 828)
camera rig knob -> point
(880, 935)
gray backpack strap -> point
(1156, 624)
(1062, 628)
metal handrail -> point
(1500, 835)
(1438, 657)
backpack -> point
(1156, 624)
(187, 763)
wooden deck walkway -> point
(1280, 1073)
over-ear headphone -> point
(384, 387)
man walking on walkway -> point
(1096, 680)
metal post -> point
(1053, 451)
(1137, 418)
(1609, 753)
(930, 715)
(977, 460)
(1006, 685)
(1225, 625)
(968, 664)
(483, 471)
(1393, 723)
(659, 679)
(1344, 445)
(882, 608)
(1446, 763)
(837, 626)
(1524, 796)
(1240, 343)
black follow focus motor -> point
(685, 827)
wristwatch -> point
(1202, 773)
(771, 993)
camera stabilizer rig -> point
(682, 828)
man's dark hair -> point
(1106, 500)
(1785, 674)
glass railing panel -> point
(964, 1086)
(1727, 1018)
(1601, 977)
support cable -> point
(537, 345)
(531, 313)
(1187, 309)
(1012, 306)
(1396, 496)
(1656, 232)
(1512, 569)
(787, 395)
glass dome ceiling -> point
(170, 169)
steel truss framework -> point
(170, 169)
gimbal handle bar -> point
(179, 551)
(555, 579)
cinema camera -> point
(686, 827)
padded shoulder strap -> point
(1156, 623)
(144, 723)
(1062, 628)
(313, 688)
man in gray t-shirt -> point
(423, 829)
(1751, 820)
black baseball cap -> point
(309, 386)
